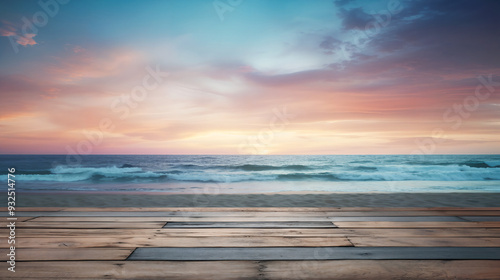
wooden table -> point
(254, 243)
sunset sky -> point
(250, 76)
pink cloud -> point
(75, 49)
(6, 33)
(84, 64)
(78, 49)
(24, 39)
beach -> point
(287, 199)
(231, 139)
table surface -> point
(253, 243)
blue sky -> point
(359, 76)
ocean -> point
(226, 174)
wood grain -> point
(132, 242)
(417, 224)
(68, 254)
(249, 225)
(344, 270)
(425, 242)
(85, 225)
(97, 243)
(318, 253)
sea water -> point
(213, 174)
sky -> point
(249, 77)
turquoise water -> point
(255, 174)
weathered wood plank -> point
(204, 209)
(425, 242)
(179, 232)
(467, 212)
(173, 214)
(18, 219)
(255, 232)
(84, 225)
(132, 270)
(68, 254)
(482, 218)
(324, 253)
(253, 214)
(165, 214)
(130, 242)
(305, 232)
(91, 232)
(383, 269)
(274, 218)
(334, 269)
(276, 209)
(251, 209)
(463, 212)
(417, 224)
(421, 232)
(104, 219)
(97, 214)
(249, 225)
(397, 219)
(23, 209)
(185, 219)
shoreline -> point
(288, 199)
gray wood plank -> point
(385, 224)
(95, 214)
(249, 225)
(159, 214)
(318, 253)
(88, 225)
(481, 218)
(252, 209)
(296, 218)
(185, 219)
(397, 219)
(428, 241)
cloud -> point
(5, 32)
(450, 36)
(441, 45)
(341, 3)
(330, 44)
(300, 77)
(354, 18)
(75, 49)
(340, 82)
(408, 141)
(8, 29)
(25, 39)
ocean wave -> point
(364, 168)
(470, 163)
(361, 161)
(94, 174)
(126, 165)
(307, 176)
(493, 163)
(255, 167)
(465, 171)
(245, 167)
